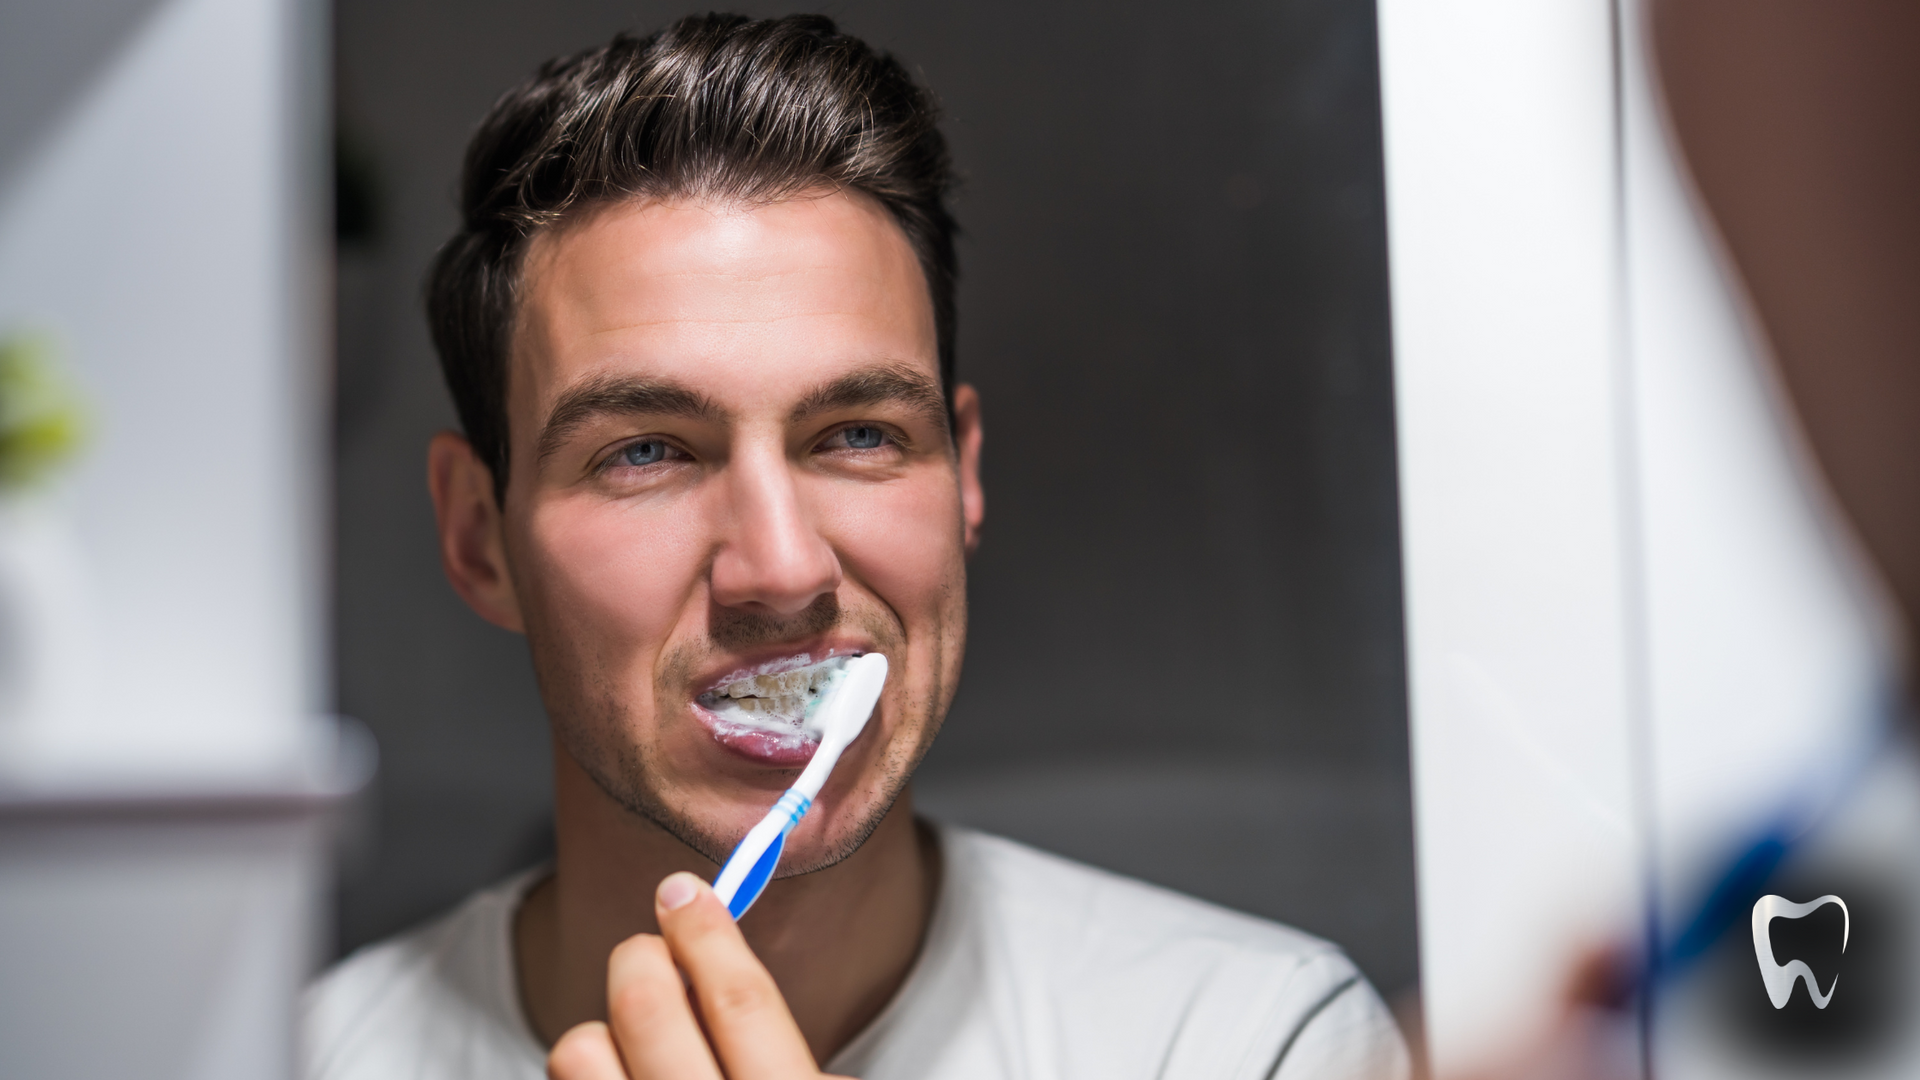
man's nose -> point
(773, 556)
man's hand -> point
(653, 985)
(1593, 1037)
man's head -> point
(1800, 125)
(717, 108)
(698, 324)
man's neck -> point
(839, 942)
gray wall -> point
(1186, 658)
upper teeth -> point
(807, 680)
(783, 695)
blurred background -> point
(1186, 631)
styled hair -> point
(717, 107)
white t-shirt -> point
(1033, 968)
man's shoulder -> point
(436, 1000)
(1042, 893)
(1124, 970)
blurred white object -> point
(163, 769)
(1631, 621)
(1503, 234)
(163, 229)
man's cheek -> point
(616, 577)
(906, 542)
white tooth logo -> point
(1780, 978)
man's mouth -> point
(765, 715)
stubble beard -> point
(595, 732)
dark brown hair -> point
(713, 106)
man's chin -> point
(828, 836)
(808, 854)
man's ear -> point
(473, 547)
(966, 439)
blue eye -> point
(864, 438)
(644, 452)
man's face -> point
(730, 458)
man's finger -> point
(585, 1052)
(747, 1020)
(652, 1021)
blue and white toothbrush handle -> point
(746, 874)
(751, 865)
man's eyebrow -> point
(621, 396)
(893, 382)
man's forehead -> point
(718, 290)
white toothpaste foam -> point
(781, 704)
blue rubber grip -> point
(756, 880)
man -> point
(698, 322)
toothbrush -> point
(842, 711)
